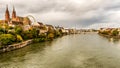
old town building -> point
(14, 19)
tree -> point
(30, 34)
(57, 33)
(34, 32)
(115, 32)
(18, 30)
(1, 30)
(7, 39)
(19, 38)
(50, 36)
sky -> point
(68, 13)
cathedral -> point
(15, 20)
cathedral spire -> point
(7, 15)
(13, 8)
(13, 13)
(7, 7)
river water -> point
(72, 51)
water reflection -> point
(113, 40)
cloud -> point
(68, 13)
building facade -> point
(15, 20)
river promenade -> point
(15, 46)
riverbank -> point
(109, 36)
(110, 33)
(13, 39)
(23, 44)
(15, 46)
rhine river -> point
(72, 51)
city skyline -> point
(72, 13)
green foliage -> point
(11, 32)
(50, 36)
(115, 33)
(58, 33)
(10, 35)
(42, 35)
(10, 27)
(26, 35)
(2, 30)
(7, 39)
(39, 40)
(30, 34)
(105, 32)
(19, 38)
(18, 30)
(34, 32)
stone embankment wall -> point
(15, 46)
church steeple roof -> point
(13, 8)
(7, 15)
(14, 13)
(7, 8)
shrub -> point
(105, 32)
(57, 33)
(115, 33)
(50, 36)
(19, 38)
(43, 35)
(39, 40)
(10, 27)
(34, 32)
(27, 35)
(30, 34)
(7, 39)
(18, 30)
(2, 30)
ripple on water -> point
(73, 51)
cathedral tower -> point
(13, 13)
(7, 15)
